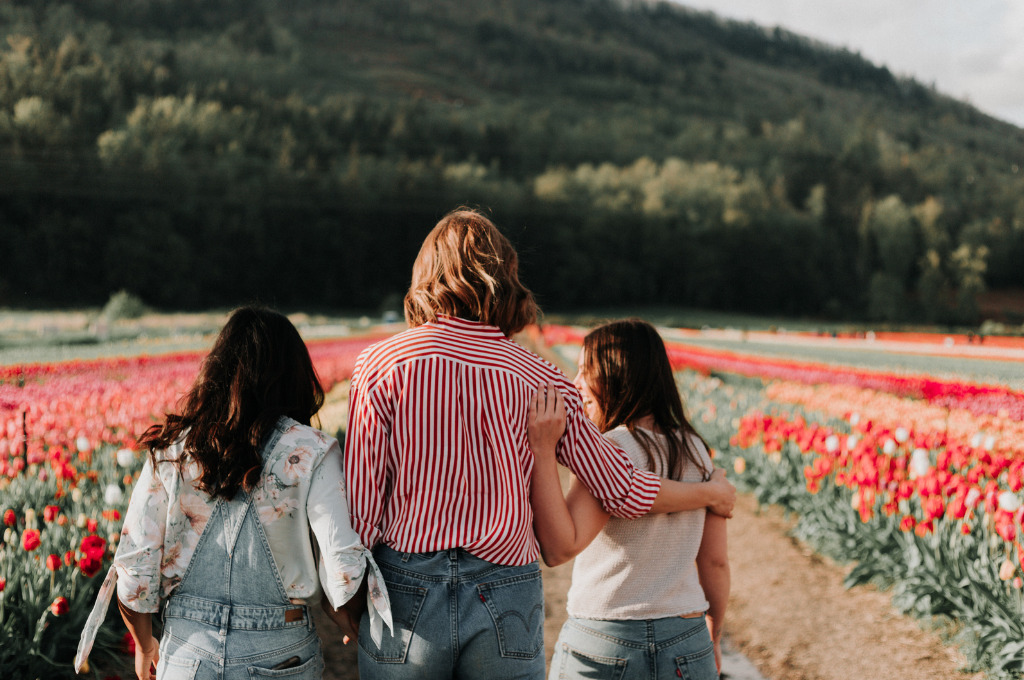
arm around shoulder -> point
(717, 495)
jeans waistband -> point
(238, 617)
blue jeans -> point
(230, 618)
(650, 649)
(456, 616)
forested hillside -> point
(209, 152)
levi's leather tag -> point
(292, 615)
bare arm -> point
(717, 495)
(715, 577)
(564, 525)
(147, 649)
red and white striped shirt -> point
(437, 455)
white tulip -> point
(920, 463)
(852, 441)
(976, 440)
(125, 458)
(113, 494)
(82, 444)
(902, 434)
(832, 443)
(854, 418)
(990, 442)
(1009, 501)
(889, 447)
(973, 496)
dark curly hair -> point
(258, 370)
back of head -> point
(467, 268)
(627, 369)
(258, 370)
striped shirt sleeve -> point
(623, 490)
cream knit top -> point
(642, 568)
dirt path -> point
(789, 614)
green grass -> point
(684, 317)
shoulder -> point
(172, 453)
(380, 358)
(625, 440)
(296, 435)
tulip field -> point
(68, 459)
(914, 480)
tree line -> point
(203, 161)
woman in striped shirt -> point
(438, 464)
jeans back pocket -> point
(697, 666)
(175, 668)
(516, 605)
(572, 663)
(406, 602)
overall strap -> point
(220, 536)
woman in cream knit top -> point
(644, 568)
(648, 595)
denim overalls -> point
(230, 617)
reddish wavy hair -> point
(467, 268)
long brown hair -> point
(627, 369)
(467, 268)
(258, 370)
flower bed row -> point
(979, 399)
(932, 511)
(56, 412)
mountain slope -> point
(153, 136)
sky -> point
(972, 50)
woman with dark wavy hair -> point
(439, 466)
(220, 527)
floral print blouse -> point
(302, 488)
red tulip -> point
(53, 562)
(30, 539)
(50, 513)
(69, 557)
(10, 519)
(60, 606)
(128, 644)
(93, 546)
(89, 566)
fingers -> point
(559, 404)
